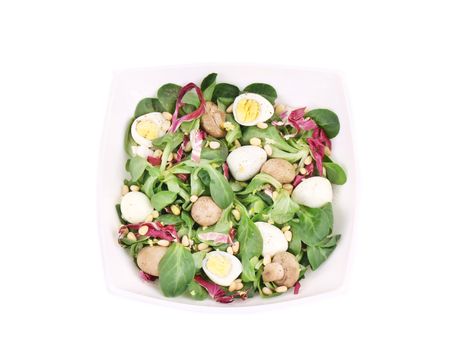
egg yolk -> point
(248, 110)
(219, 265)
(147, 129)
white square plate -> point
(295, 87)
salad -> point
(229, 193)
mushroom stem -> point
(273, 272)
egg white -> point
(245, 162)
(274, 240)
(313, 192)
(265, 113)
(135, 207)
(156, 118)
(235, 269)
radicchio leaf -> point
(155, 230)
(180, 152)
(225, 169)
(154, 160)
(296, 119)
(217, 293)
(182, 177)
(196, 138)
(176, 122)
(216, 237)
(146, 277)
(297, 287)
(298, 179)
(317, 143)
(232, 234)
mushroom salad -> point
(229, 192)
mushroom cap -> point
(149, 257)
(205, 211)
(291, 269)
(212, 120)
(281, 169)
(273, 272)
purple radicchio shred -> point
(155, 230)
(196, 137)
(176, 122)
(296, 288)
(146, 276)
(217, 293)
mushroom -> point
(212, 120)
(273, 272)
(280, 169)
(205, 212)
(283, 270)
(149, 257)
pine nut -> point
(191, 242)
(279, 108)
(202, 246)
(288, 187)
(155, 214)
(327, 151)
(303, 171)
(236, 214)
(281, 289)
(308, 160)
(149, 218)
(255, 141)
(266, 260)
(288, 235)
(214, 145)
(236, 247)
(143, 230)
(124, 190)
(165, 125)
(175, 210)
(163, 243)
(275, 194)
(228, 126)
(271, 222)
(157, 153)
(266, 291)
(188, 147)
(238, 280)
(171, 156)
(230, 250)
(185, 241)
(239, 285)
(134, 188)
(324, 171)
(268, 150)
(262, 125)
(167, 115)
(193, 198)
(237, 143)
(232, 287)
(131, 236)
(229, 109)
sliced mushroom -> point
(280, 169)
(149, 257)
(212, 120)
(205, 212)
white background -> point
(56, 66)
